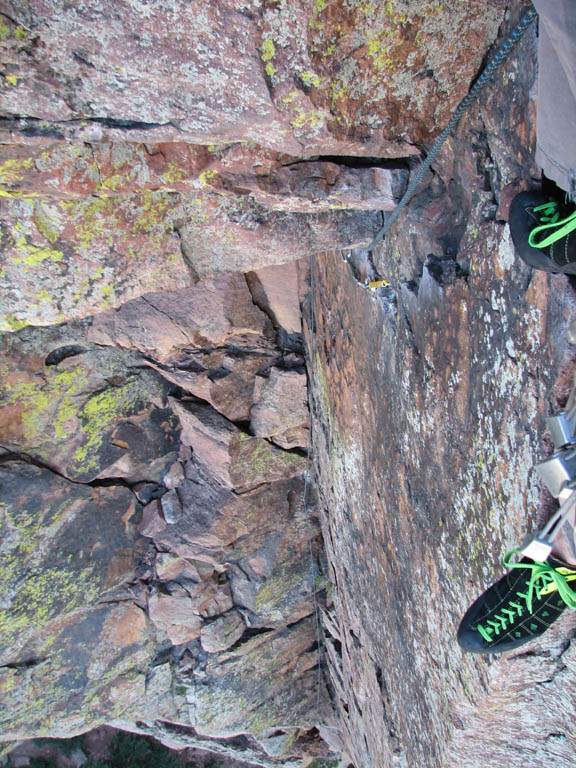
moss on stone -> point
(13, 170)
(268, 50)
(97, 415)
(11, 323)
(273, 594)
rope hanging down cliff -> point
(498, 58)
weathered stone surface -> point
(225, 377)
(115, 220)
(222, 233)
(152, 521)
(449, 495)
(64, 545)
(311, 187)
(209, 435)
(96, 745)
(66, 662)
(252, 686)
(223, 632)
(233, 458)
(278, 182)
(255, 461)
(171, 507)
(175, 475)
(429, 405)
(281, 411)
(79, 169)
(87, 667)
(71, 258)
(214, 313)
(275, 290)
(63, 259)
(258, 542)
(175, 615)
(171, 568)
(306, 79)
(93, 413)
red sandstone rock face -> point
(213, 313)
(275, 290)
(224, 587)
(72, 258)
(280, 410)
(429, 406)
(85, 411)
(426, 394)
(268, 97)
(302, 78)
(279, 182)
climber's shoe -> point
(518, 608)
(544, 232)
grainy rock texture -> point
(245, 156)
(166, 171)
(305, 78)
(429, 405)
(63, 259)
(156, 554)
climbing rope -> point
(499, 57)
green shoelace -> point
(551, 580)
(553, 228)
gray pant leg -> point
(556, 114)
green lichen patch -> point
(268, 50)
(310, 79)
(63, 688)
(28, 255)
(43, 594)
(313, 118)
(274, 598)
(255, 461)
(10, 322)
(13, 170)
(88, 254)
(257, 684)
(97, 416)
(48, 221)
(64, 414)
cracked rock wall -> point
(429, 403)
(163, 168)
(156, 570)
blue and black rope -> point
(498, 58)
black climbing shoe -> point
(519, 607)
(544, 232)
